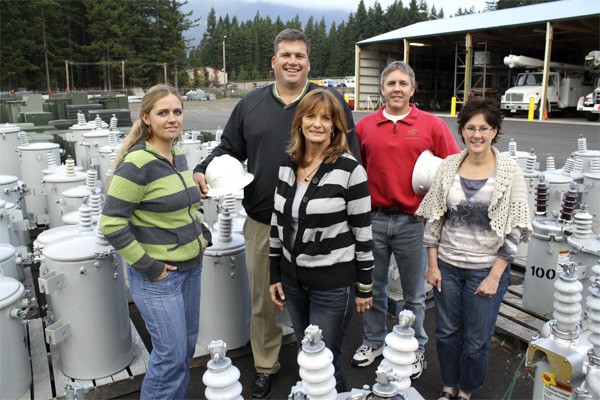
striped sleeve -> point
(124, 195)
(358, 209)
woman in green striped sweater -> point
(150, 218)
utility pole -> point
(224, 65)
(67, 74)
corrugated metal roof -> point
(527, 15)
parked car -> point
(320, 83)
(350, 81)
(329, 82)
(198, 95)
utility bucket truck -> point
(590, 104)
(566, 84)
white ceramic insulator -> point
(98, 122)
(95, 203)
(90, 179)
(23, 138)
(578, 165)
(70, 167)
(582, 143)
(582, 224)
(222, 380)
(567, 298)
(112, 157)
(550, 165)
(595, 165)
(100, 239)
(530, 162)
(225, 225)
(568, 167)
(113, 123)
(317, 373)
(81, 118)
(113, 140)
(399, 353)
(512, 147)
(593, 314)
(229, 201)
(85, 218)
(50, 159)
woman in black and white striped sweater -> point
(321, 243)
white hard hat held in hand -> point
(225, 175)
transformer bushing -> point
(558, 185)
(573, 168)
(233, 206)
(559, 357)
(225, 293)
(316, 366)
(385, 386)
(587, 156)
(584, 247)
(590, 388)
(221, 377)
(519, 156)
(399, 352)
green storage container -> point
(36, 117)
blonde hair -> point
(313, 101)
(140, 131)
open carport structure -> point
(462, 56)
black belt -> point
(389, 210)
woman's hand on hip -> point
(165, 272)
(277, 295)
(363, 304)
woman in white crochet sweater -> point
(476, 213)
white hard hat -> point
(225, 175)
(424, 172)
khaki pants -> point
(265, 329)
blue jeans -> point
(171, 310)
(331, 310)
(402, 236)
(465, 324)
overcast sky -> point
(449, 6)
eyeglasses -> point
(482, 129)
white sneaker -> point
(365, 355)
(419, 366)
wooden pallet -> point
(516, 321)
(49, 382)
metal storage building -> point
(463, 55)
